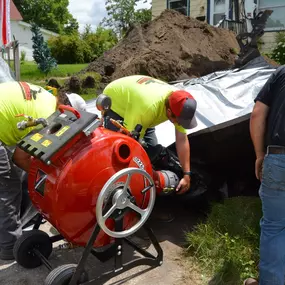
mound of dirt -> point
(170, 47)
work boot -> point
(6, 254)
(250, 281)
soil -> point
(170, 47)
(175, 270)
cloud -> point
(87, 12)
(92, 12)
(144, 4)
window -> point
(277, 19)
(182, 6)
(219, 9)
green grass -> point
(31, 74)
(226, 246)
(89, 94)
(29, 71)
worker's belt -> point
(275, 149)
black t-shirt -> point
(273, 95)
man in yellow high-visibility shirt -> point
(144, 100)
(17, 98)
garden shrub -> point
(278, 53)
(70, 49)
(82, 48)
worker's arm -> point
(183, 151)
(257, 133)
(258, 119)
(22, 159)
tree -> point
(41, 52)
(143, 16)
(52, 15)
(72, 27)
(86, 32)
(122, 14)
(100, 41)
(82, 48)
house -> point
(21, 31)
(212, 11)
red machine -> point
(94, 185)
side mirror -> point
(103, 102)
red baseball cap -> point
(183, 106)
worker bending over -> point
(18, 99)
(149, 102)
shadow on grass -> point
(229, 274)
(227, 244)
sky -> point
(92, 11)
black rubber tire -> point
(63, 274)
(23, 249)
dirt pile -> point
(170, 47)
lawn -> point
(226, 245)
(30, 73)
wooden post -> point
(8, 53)
(16, 59)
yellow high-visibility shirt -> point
(18, 98)
(140, 100)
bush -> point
(100, 41)
(227, 244)
(278, 53)
(70, 49)
(23, 56)
(76, 48)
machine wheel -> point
(122, 200)
(63, 274)
(24, 246)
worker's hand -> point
(258, 167)
(22, 159)
(183, 185)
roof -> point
(15, 15)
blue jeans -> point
(272, 239)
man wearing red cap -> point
(147, 101)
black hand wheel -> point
(62, 275)
(25, 246)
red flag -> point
(5, 22)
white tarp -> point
(222, 98)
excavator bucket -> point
(248, 41)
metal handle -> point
(122, 199)
(61, 108)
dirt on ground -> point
(170, 47)
(175, 269)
